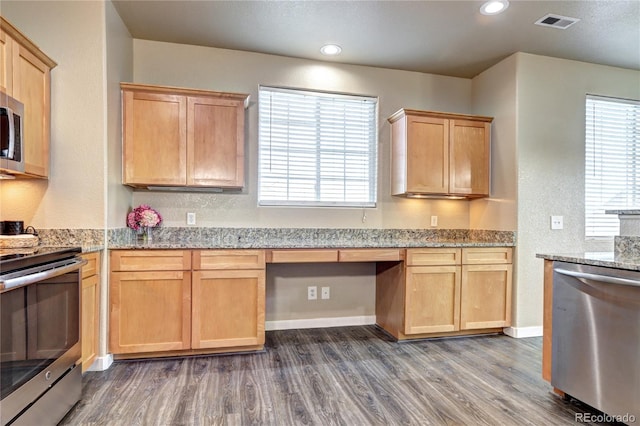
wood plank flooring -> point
(334, 376)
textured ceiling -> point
(439, 37)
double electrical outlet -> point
(312, 292)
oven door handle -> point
(596, 277)
(53, 270)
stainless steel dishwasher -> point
(596, 336)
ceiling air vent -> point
(556, 21)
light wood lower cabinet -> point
(445, 291)
(90, 298)
(432, 299)
(203, 304)
(228, 308)
(486, 296)
(150, 311)
(228, 300)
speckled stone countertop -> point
(265, 238)
(624, 211)
(606, 259)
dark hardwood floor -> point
(334, 376)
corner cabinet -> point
(182, 137)
(25, 74)
(440, 154)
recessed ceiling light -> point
(330, 49)
(493, 7)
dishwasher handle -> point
(600, 278)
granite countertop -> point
(301, 244)
(275, 238)
(605, 259)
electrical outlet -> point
(557, 222)
(326, 293)
(434, 220)
(312, 292)
(191, 218)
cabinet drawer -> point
(486, 255)
(150, 260)
(433, 256)
(370, 255)
(228, 259)
(93, 266)
(303, 256)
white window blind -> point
(612, 162)
(316, 148)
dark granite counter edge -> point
(606, 260)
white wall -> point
(494, 95)
(235, 71)
(119, 67)
(72, 33)
(538, 160)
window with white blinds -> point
(612, 162)
(316, 149)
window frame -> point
(594, 151)
(373, 152)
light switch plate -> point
(434, 220)
(557, 222)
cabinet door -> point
(427, 155)
(150, 311)
(469, 157)
(6, 63)
(90, 320)
(155, 139)
(228, 308)
(486, 296)
(31, 86)
(432, 299)
(215, 142)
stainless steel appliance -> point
(596, 337)
(39, 334)
(11, 141)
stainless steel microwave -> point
(11, 141)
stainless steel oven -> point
(39, 335)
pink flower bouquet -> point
(143, 216)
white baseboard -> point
(101, 363)
(320, 322)
(520, 332)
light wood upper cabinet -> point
(6, 63)
(155, 138)
(215, 142)
(435, 153)
(25, 74)
(182, 137)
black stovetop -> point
(14, 260)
